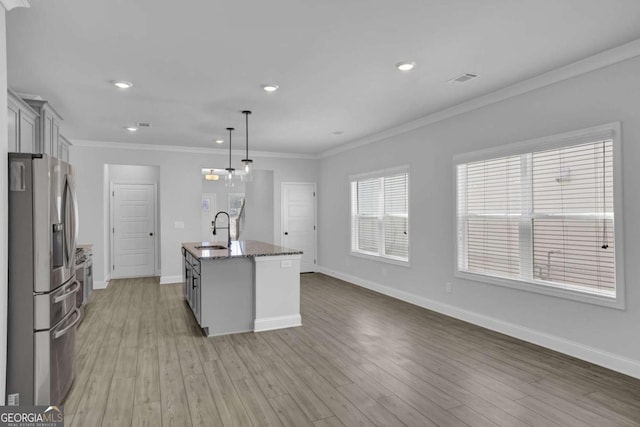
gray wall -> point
(259, 218)
(4, 226)
(180, 192)
(600, 334)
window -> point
(380, 215)
(543, 215)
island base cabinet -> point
(227, 298)
(277, 292)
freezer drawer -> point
(55, 361)
(50, 308)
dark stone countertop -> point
(239, 249)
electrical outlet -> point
(285, 264)
(447, 287)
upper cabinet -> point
(63, 149)
(22, 124)
(48, 127)
(34, 127)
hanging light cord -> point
(230, 169)
(605, 239)
(246, 116)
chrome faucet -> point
(228, 227)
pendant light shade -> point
(229, 176)
(247, 163)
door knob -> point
(286, 233)
(150, 234)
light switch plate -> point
(178, 224)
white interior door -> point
(299, 221)
(133, 230)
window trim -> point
(539, 144)
(378, 174)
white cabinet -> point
(47, 127)
(63, 148)
(22, 122)
(34, 127)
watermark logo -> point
(31, 416)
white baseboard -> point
(593, 355)
(271, 323)
(101, 284)
(165, 280)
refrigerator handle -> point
(64, 296)
(74, 240)
(62, 332)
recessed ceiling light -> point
(131, 128)
(270, 87)
(219, 141)
(122, 84)
(405, 65)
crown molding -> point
(186, 149)
(11, 4)
(592, 63)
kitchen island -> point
(252, 286)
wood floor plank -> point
(147, 386)
(405, 413)
(188, 356)
(91, 407)
(288, 411)
(307, 400)
(201, 404)
(119, 409)
(328, 422)
(368, 406)
(175, 407)
(336, 402)
(230, 408)
(360, 358)
(258, 408)
(147, 415)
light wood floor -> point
(360, 359)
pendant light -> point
(247, 163)
(229, 176)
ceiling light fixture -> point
(212, 176)
(405, 65)
(247, 168)
(219, 141)
(270, 87)
(122, 84)
(131, 128)
(229, 176)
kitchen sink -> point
(208, 247)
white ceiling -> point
(196, 64)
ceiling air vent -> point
(143, 124)
(463, 78)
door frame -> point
(315, 215)
(156, 255)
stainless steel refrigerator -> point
(43, 224)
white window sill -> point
(381, 258)
(555, 291)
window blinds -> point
(380, 216)
(543, 216)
